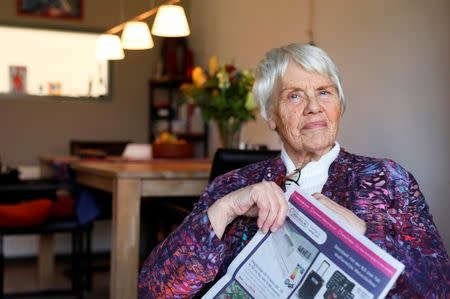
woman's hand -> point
(345, 214)
(264, 200)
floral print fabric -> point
(378, 191)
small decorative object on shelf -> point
(54, 88)
(18, 79)
(225, 96)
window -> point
(45, 62)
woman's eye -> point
(296, 97)
(324, 93)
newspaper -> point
(314, 255)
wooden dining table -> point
(129, 181)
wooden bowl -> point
(172, 150)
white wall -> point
(394, 58)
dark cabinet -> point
(166, 114)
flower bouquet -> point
(225, 96)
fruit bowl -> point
(172, 150)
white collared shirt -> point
(314, 174)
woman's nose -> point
(312, 105)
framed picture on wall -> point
(18, 79)
(58, 9)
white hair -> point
(272, 67)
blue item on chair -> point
(86, 208)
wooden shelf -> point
(190, 136)
(174, 82)
(164, 112)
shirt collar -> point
(322, 164)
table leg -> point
(125, 238)
(46, 261)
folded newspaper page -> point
(314, 255)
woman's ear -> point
(272, 124)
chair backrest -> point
(113, 148)
(26, 190)
(226, 160)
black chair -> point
(226, 160)
(21, 191)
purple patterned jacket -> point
(378, 191)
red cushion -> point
(28, 213)
(63, 207)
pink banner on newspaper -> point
(348, 239)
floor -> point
(21, 276)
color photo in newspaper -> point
(314, 255)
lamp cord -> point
(311, 22)
(121, 14)
(139, 17)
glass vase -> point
(229, 132)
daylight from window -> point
(51, 63)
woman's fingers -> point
(264, 209)
(271, 207)
(259, 198)
(268, 217)
(282, 207)
(266, 201)
(282, 212)
(263, 200)
(344, 213)
(329, 203)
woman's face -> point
(305, 113)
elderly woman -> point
(300, 95)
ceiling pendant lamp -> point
(108, 47)
(136, 36)
(170, 21)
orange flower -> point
(198, 76)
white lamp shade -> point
(170, 21)
(136, 36)
(108, 47)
